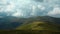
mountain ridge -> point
(10, 22)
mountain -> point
(31, 25)
(13, 23)
(9, 22)
(41, 23)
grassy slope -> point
(38, 25)
(34, 26)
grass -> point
(38, 25)
(28, 32)
(35, 27)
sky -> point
(28, 8)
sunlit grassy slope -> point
(38, 25)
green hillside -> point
(38, 25)
(35, 25)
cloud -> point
(33, 10)
(30, 7)
(54, 12)
(39, 0)
(1, 9)
(41, 7)
(3, 1)
(18, 13)
(10, 6)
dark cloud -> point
(38, 0)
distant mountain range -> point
(31, 23)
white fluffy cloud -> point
(54, 12)
(41, 7)
(18, 13)
(33, 10)
(35, 7)
(10, 6)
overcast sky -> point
(27, 8)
